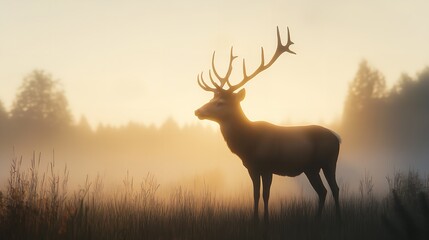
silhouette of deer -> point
(267, 149)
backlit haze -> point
(138, 60)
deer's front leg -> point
(266, 184)
(256, 193)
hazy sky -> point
(138, 60)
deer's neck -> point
(236, 132)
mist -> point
(40, 127)
(383, 130)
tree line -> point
(41, 109)
(375, 117)
(394, 120)
(40, 120)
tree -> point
(364, 108)
(409, 111)
(40, 102)
(368, 84)
(412, 93)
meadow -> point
(37, 204)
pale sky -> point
(122, 61)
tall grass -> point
(38, 205)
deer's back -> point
(291, 150)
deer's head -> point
(225, 103)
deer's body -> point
(285, 151)
(267, 149)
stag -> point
(266, 149)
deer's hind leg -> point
(329, 173)
(315, 181)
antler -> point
(222, 80)
(280, 49)
(204, 86)
(225, 80)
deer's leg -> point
(329, 173)
(266, 184)
(256, 193)
(316, 182)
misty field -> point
(37, 205)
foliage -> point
(39, 101)
(38, 205)
(408, 185)
(408, 221)
(392, 121)
(368, 85)
(363, 105)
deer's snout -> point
(198, 113)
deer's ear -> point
(241, 94)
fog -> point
(386, 129)
(383, 130)
(192, 157)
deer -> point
(264, 148)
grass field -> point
(37, 205)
